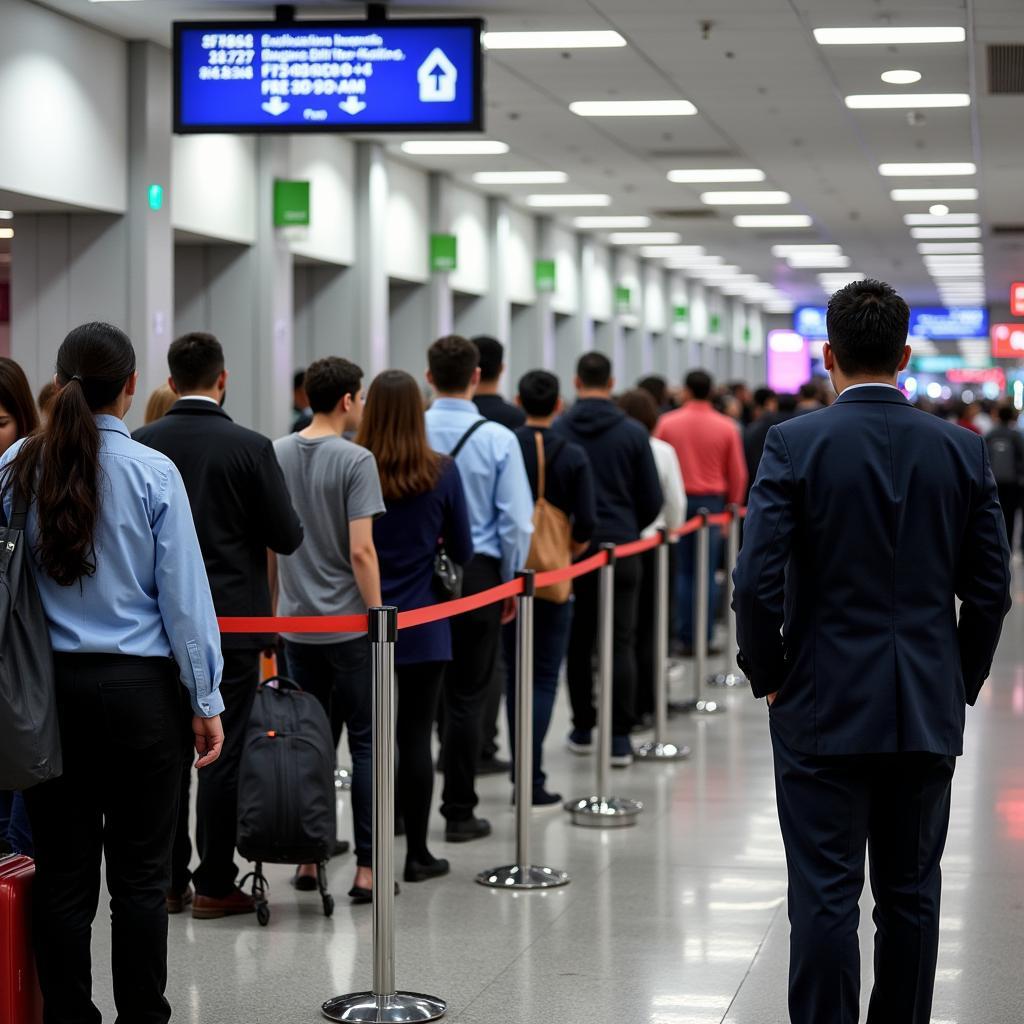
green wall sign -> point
(291, 203)
(544, 275)
(155, 196)
(714, 323)
(681, 313)
(746, 334)
(443, 252)
(623, 298)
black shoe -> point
(360, 895)
(466, 831)
(542, 798)
(493, 766)
(304, 883)
(416, 872)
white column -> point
(371, 321)
(545, 353)
(442, 317)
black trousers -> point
(583, 638)
(467, 678)
(830, 808)
(418, 688)
(1010, 500)
(217, 795)
(124, 725)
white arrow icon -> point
(437, 76)
(275, 105)
(353, 105)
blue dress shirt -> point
(149, 595)
(494, 479)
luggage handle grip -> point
(283, 683)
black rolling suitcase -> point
(286, 798)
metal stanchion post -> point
(702, 704)
(384, 1004)
(523, 874)
(731, 675)
(602, 810)
(661, 749)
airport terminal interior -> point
(676, 184)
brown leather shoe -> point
(206, 908)
(178, 901)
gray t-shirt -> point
(331, 481)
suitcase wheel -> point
(263, 914)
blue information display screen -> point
(328, 76)
(935, 323)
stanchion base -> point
(515, 876)
(704, 706)
(604, 812)
(342, 778)
(726, 679)
(400, 1008)
(661, 752)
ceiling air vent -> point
(701, 213)
(1007, 229)
(1006, 69)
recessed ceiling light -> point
(6, 232)
(957, 272)
(960, 258)
(555, 199)
(952, 232)
(745, 198)
(812, 261)
(923, 195)
(520, 177)
(921, 219)
(551, 40)
(928, 248)
(779, 307)
(801, 247)
(938, 210)
(643, 237)
(907, 101)
(693, 262)
(834, 282)
(6, 214)
(633, 108)
(888, 36)
(456, 147)
(722, 174)
(597, 223)
(926, 170)
(729, 270)
(772, 220)
(898, 77)
(665, 251)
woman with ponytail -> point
(135, 641)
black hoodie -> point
(629, 495)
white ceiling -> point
(768, 96)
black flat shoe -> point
(416, 872)
(466, 831)
(360, 895)
(304, 883)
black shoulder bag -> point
(29, 732)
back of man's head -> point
(699, 384)
(867, 328)
(195, 361)
(329, 380)
(452, 361)
(594, 370)
(762, 396)
(538, 393)
(656, 387)
(1007, 415)
(492, 357)
(809, 392)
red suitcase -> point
(20, 999)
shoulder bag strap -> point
(465, 437)
(19, 509)
(539, 438)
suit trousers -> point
(830, 809)
(217, 795)
(124, 730)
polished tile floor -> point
(679, 920)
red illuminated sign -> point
(1008, 341)
(1017, 298)
(997, 377)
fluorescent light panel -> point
(888, 35)
(745, 198)
(633, 108)
(957, 259)
(520, 177)
(772, 220)
(693, 262)
(555, 199)
(924, 195)
(926, 170)
(596, 223)
(907, 101)
(643, 237)
(922, 219)
(799, 248)
(456, 147)
(953, 232)
(666, 251)
(901, 77)
(6, 232)
(810, 261)
(837, 281)
(6, 214)
(957, 248)
(583, 40)
(720, 175)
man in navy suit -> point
(867, 521)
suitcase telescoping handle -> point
(281, 683)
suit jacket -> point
(865, 523)
(240, 504)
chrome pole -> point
(702, 704)
(602, 810)
(731, 675)
(523, 874)
(384, 1004)
(661, 749)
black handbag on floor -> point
(29, 731)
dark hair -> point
(762, 396)
(298, 379)
(809, 391)
(492, 356)
(394, 430)
(329, 380)
(594, 370)
(787, 403)
(16, 397)
(1007, 414)
(640, 406)
(195, 360)
(47, 393)
(60, 465)
(656, 387)
(699, 384)
(538, 392)
(452, 360)
(867, 327)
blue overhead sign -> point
(331, 76)
(934, 323)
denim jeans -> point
(340, 676)
(14, 827)
(550, 640)
(687, 557)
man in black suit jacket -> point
(867, 521)
(241, 507)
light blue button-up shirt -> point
(149, 595)
(494, 479)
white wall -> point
(407, 242)
(600, 291)
(328, 164)
(213, 186)
(63, 109)
(522, 238)
(467, 213)
(566, 297)
(655, 302)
